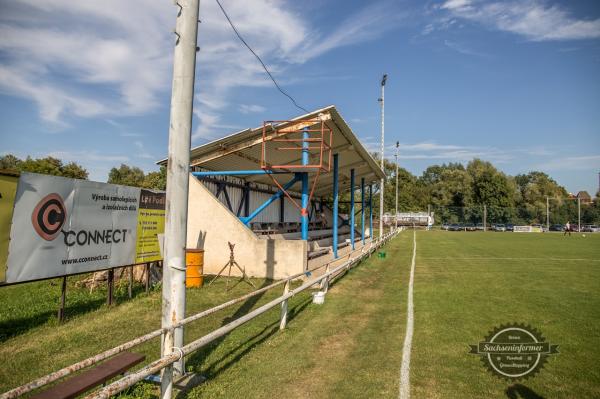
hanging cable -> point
(259, 59)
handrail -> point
(49, 378)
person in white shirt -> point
(567, 229)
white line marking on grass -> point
(505, 258)
(405, 369)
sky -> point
(516, 83)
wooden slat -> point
(87, 380)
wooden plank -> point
(87, 380)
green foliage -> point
(156, 180)
(47, 166)
(126, 175)
(134, 176)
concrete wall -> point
(211, 225)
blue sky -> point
(513, 82)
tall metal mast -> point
(382, 183)
(396, 214)
(178, 167)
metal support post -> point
(335, 206)
(246, 219)
(110, 280)
(362, 209)
(484, 217)
(130, 286)
(325, 283)
(305, 194)
(396, 213)
(578, 215)
(284, 306)
(178, 169)
(63, 295)
(371, 211)
(548, 213)
(382, 183)
(147, 282)
(352, 208)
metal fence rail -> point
(159, 364)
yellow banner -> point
(151, 222)
(8, 189)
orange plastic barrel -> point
(194, 262)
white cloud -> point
(454, 4)
(582, 162)
(534, 19)
(461, 48)
(251, 108)
(114, 58)
(83, 156)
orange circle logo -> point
(49, 216)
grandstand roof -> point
(242, 151)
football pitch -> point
(467, 284)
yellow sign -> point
(151, 222)
(8, 189)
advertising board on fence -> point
(63, 226)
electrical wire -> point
(259, 59)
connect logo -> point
(49, 216)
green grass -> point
(351, 347)
(468, 283)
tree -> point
(156, 180)
(10, 162)
(134, 176)
(127, 176)
(48, 166)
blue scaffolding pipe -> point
(335, 206)
(352, 208)
(362, 209)
(371, 211)
(238, 172)
(304, 210)
(274, 197)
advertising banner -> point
(8, 191)
(63, 226)
(151, 222)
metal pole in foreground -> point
(178, 167)
(578, 214)
(396, 214)
(335, 206)
(362, 209)
(382, 183)
(352, 208)
(548, 213)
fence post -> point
(284, 307)
(63, 293)
(325, 284)
(110, 281)
(130, 288)
(147, 278)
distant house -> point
(584, 197)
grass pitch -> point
(468, 283)
(351, 347)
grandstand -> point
(268, 190)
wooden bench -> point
(80, 383)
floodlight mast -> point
(382, 183)
(178, 167)
(396, 214)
